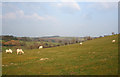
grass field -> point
(95, 57)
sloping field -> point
(95, 57)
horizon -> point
(55, 35)
(70, 19)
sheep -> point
(20, 51)
(44, 58)
(81, 43)
(8, 51)
(40, 47)
(113, 41)
(17, 51)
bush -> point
(11, 43)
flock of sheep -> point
(20, 51)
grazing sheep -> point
(8, 51)
(20, 51)
(113, 41)
(81, 43)
(40, 47)
(17, 51)
(44, 59)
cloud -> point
(35, 15)
(104, 5)
(0, 4)
(20, 14)
(10, 16)
(0, 17)
(108, 5)
(71, 6)
(0, 10)
(87, 16)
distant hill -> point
(49, 36)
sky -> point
(71, 19)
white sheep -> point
(113, 41)
(44, 58)
(20, 51)
(81, 43)
(8, 51)
(17, 51)
(40, 47)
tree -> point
(60, 41)
(100, 36)
(87, 38)
(113, 33)
(73, 40)
(11, 43)
(8, 38)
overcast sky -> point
(59, 18)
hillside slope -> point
(95, 57)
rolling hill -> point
(95, 57)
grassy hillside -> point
(95, 57)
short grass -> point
(95, 57)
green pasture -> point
(94, 57)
